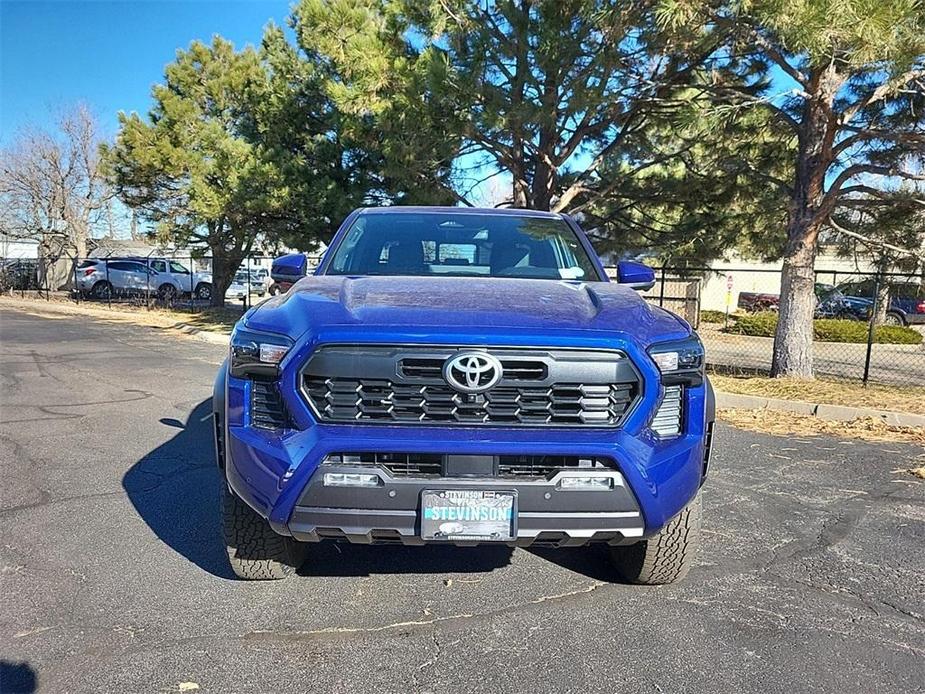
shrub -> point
(708, 316)
(897, 335)
(755, 324)
(827, 330)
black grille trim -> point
(405, 385)
(268, 411)
(505, 466)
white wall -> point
(18, 249)
(752, 276)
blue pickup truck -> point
(462, 376)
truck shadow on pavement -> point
(174, 489)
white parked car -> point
(239, 286)
(198, 284)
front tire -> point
(204, 291)
(665, 557)
(167, 293)
(255, 551)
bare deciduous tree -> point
(53, 191)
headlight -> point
(679, 362)
(256, 354)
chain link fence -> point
(867, 328)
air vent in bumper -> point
(436, 465)
(667, 419)
(268, 411)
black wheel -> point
(204, 291)
(666, 557)
(167, 292)
(893, 319)
(102, 290)
(255, 552)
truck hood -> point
(464, 304)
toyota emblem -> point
(472, 372)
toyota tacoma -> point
(462, 376)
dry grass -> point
(216, 320)
(791, 424)
(896, 398)
(918, 472)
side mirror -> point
(635, 275)
(289, 268)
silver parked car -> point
(102, 278)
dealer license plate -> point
(468, 514)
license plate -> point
(468, 514)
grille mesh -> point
(389, 384)
(570, 404)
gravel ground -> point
(113, 576)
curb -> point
(832, 413)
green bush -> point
(708, 316)
(827, 330)
(896, 335)
(755, 324)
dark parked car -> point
(907, 299)
(18, 274)
(830, 303)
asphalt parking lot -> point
(113, 577)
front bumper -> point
(547, 513)
(275, 471)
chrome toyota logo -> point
(472, 372)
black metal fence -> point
(868, 327)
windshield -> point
(460, 244)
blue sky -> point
(106, 54)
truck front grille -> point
(393, 385)
(434, 465)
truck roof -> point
(417, 209)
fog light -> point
(350, 479)
(589, 483)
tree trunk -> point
(793, 339)
(882, 300)
(223, 272)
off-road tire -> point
(255, 551)
(666, 557)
